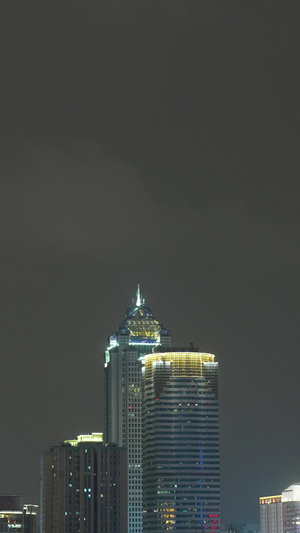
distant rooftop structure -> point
(270, 499)
(138, 297)
(240, 528)
(91, 437)
(292, 493)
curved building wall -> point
(180, 436)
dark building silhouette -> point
(84, 487)
(30, 518)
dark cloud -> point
(202, 96)
(157, 140)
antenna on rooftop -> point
(138, 300)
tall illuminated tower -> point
(181, 470)
(137, 335)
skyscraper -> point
(140, 333)
(281, 514)
(84, 487)
(270, 510)
(291, 509)
(181, 470)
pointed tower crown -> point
(139, 300)
(139, 326)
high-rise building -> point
(84, 487)
(181, 468)
(140, 333)
(281, 514)
(270, 510)
(291, 509)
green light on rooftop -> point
(92, 437)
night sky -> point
(155, 140)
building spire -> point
(138, 298)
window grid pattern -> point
(181, 470)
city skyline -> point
(152, 141)
(111, 338)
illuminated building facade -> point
(14, 516)
(84, 487)
(281, 514)
(270, 510)
(11, 513)
(140, 333)
(181, 468)
(291, 509)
